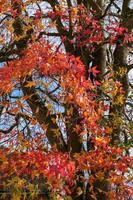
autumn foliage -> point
(65, 100)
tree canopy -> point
(66, 99)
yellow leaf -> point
(56, 132)
(79, 191)
(30, 84)
(53, 120)
(100, 176)
(121, 99)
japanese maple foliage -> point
(64, 124)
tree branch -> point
(95, 6)
(106, 9)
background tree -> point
(66, 101)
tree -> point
(66, 100)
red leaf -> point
(94, 71)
